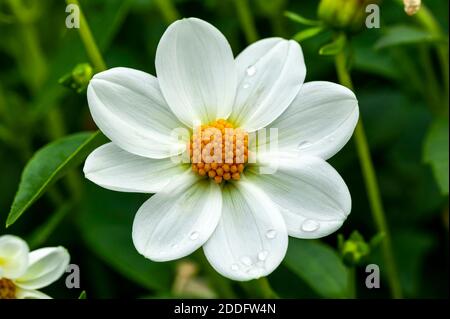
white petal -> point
(312, 196)
(270, 74)
(196, 71)
(13, 256)
(177, 221)
(127, 105)
(320, 120)
(46, 266)
(251, 238)
(113, 168)
(30, 294)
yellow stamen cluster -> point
(7, 289)
(219, 151)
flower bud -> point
(347, 15)
(79, 78)
(354, 250)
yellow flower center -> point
(7, 289)
(219, 151)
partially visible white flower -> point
(22, 272)
(241, 217)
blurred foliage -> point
(403, 100)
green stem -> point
(278, 26)
(265, 287)
(352, 282)
(246, 19)
(30, 57)
(220, 284)
(2, 102)
(371, 184)
(259, 288)
(88, 40)
(426, 19)
(36, 61)
(168, 10)
(431, 85)
(429, 22)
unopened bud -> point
(354, 250)
(79, 78)
(347, 15)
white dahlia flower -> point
(221, 200)
(23, 272)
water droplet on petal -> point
(194, 235)
(304, 144)
(251, 70)
(271, 234)
(234, 267)
(254, 272)
(262, 255)
(310, 225)
(246, 260)
(246, 85)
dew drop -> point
(254, 272)
(271, 234)
(303, 144)
(194, 235)
(310, 225)
(262, 255)
(234, 267)
(246, 85)
(246, 260)
(251, 70)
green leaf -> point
(319, 266)
(376, 62)
(405, 35)
(334, 47)
(308, 33)
(83, 295)
(105, 221)
(302, 20)
(435, 152)
(411, 249)
(49, 164)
